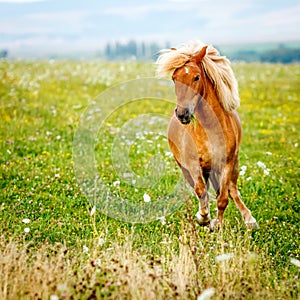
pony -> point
(204, 132)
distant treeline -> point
(143, 51)
(132, 50)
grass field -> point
(53, 243)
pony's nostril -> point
(186, 113)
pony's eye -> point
(197, 77)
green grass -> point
(41, 104)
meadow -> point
(57, 244)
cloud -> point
(76, 25)
(21, 1)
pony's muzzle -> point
(183, 115)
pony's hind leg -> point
(249, 220)
(234, 194)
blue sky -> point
(47, 26)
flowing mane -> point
(216, 67)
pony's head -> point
(189, 65)
(189, 83)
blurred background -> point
(253, 30)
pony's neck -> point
(209, 108)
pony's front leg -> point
(203, 215)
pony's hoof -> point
(215, 224)
(203, 221)
(251, 224)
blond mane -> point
(216, 67)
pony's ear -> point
(200, 54)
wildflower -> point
(261, 165)
(56, 175)
(26, 221)
(93, 210)
(243, 168)
(249, 178)
(98, 262)
(224, 257)
(146, 198)
(116, 183)
(206, 294)
(165, 242)
(62, 287)
(26, 230)
(101, 241)
(269, 153)
(168, 154)
(54, 297)
(10, 141)
(162, 220)
(85, 249)
(295, 262)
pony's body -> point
(205, 132)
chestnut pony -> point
(204, 132)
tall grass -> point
(184, 269)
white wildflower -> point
(206, 294)
(26, 230)
(168, 154)
(249, 178)
(269, 153)
(267, 172)
(295, 262)
(165, 242)
(93, 210)
(224, 257)
(146, 198)
(261, 165)
(54, 297)
(162, 220)
(56, 175)
(98, 262)
(62, 287)
(116, 183)
(85, 249)
(243, 170)
(101, 241)
(26, 221)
